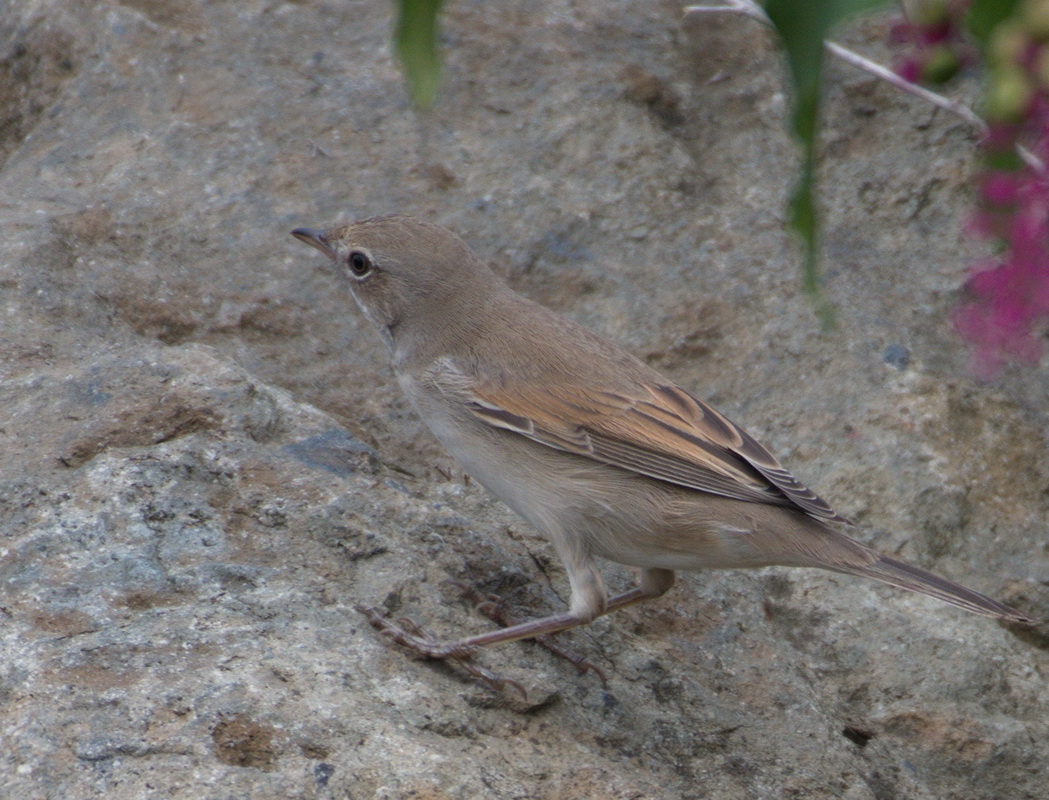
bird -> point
(604, 456)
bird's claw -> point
(410, 636)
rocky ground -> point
(206, 463)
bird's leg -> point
(654, 582)
(409, 635)
(493, 607)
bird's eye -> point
(359, 263)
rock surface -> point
(206, 464)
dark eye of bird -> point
(360, 264)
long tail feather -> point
(897, 573)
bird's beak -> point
(315, 238)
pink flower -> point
(999, 187)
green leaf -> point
(415, 42)
(802, 26)
(984, 16)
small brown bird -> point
(602, 454)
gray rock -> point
(206, 464)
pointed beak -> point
(315, 238)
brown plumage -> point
(602, 454)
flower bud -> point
(941, 64)
(1008, 96)
(1035, 17)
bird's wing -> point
(659, 430)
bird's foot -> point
(411, 637)
(493, 607)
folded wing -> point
(660, 431)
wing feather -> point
(660, 431)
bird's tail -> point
(897, 573)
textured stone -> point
(205, 463)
